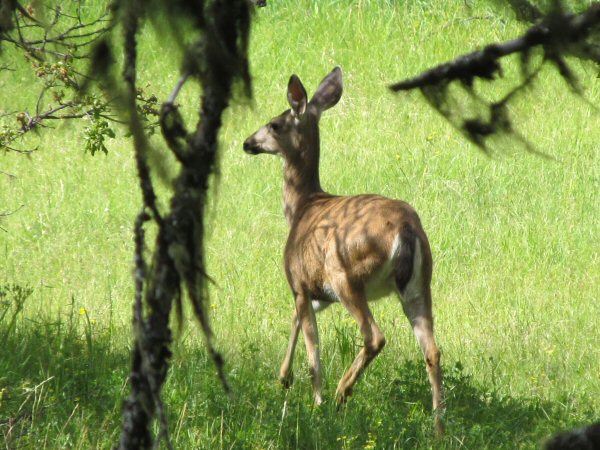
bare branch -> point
(560, 30)
(36, 120)
(178, 86)
(25, 13)
(76, 36)
(558, 35)
(525, 10)
(171, 122)
(8, 213)
(9, 148)
(219, 58)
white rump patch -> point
(381, 283)
(396, 247)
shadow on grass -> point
(391, 408)
(476, 417)
(61, 382)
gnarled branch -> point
(558, 35)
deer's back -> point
(357, 238)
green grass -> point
(515, 242)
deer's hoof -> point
(341, 396)
(439, 426)
(287, 380)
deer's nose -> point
(249, 147)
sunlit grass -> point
(514, 238)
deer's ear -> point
(329, 91)
(296, 94)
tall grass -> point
(514, 238)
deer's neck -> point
(300, 180)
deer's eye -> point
(274, 126)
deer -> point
(345, 249)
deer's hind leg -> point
(417, 305)
(422, 325)
(356, 303)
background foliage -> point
(514, 238)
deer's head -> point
(296, 131)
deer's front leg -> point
(308, 322)
(286, 375)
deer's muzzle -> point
(251, 147)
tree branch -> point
(8, 213)
(69, 38)
(216, 59)
(557, 33)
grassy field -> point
(515, 242)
